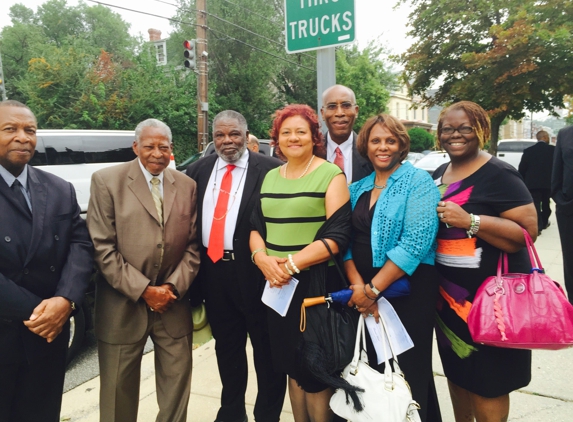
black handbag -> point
(328, 335)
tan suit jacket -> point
(128, 238)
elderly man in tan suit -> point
(142, 220)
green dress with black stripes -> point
(293, 211)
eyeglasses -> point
(235, 137)
(462, 130)
(334, 106)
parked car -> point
(432, 161)
(511, 150)
(414, 157)
(264, 148)
(74, 155)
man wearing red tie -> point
(228, 185)
(339, 111)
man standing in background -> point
(339, 111)
(535, 167)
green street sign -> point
(314, 24)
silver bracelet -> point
(294, 267)
(474, 225)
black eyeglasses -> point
(462, 130)
(334, 106)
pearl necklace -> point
(305, 170)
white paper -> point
(398, 335)
(279, 299)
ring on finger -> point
(370, 314)
(441, 215)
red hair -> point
(307, 114)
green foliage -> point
(508, 56)
(367, 75)
(420, 139)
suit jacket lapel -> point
(252, 176)
(39, 200)
(169, 191)
(138, 185)
(7, 192)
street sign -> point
(314, 24)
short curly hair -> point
(477, 116)
(307, 114)
(391, 123)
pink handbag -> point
(521, 311)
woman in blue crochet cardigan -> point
(394, 226)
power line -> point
(261, 50)
(250, 11)
(143, 13)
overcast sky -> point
(373, 18)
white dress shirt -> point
(212, 194)
(149, 176)
(345, 149)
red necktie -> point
(339, 159)
(217, 237)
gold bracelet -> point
(256, 251)
(366, 294)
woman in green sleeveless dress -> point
(296, 201)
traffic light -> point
(190, 54)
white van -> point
(511, 150)
(74, 155)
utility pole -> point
(202, 73)
(2, 81)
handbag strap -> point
(359, 344)
(533, 256)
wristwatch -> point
(72, 304)
(374, 289)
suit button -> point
(7, 239)
(156, 265)
(57, 237)
(26, 270)
(159, 246)
(52, 268)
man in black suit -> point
(535, 167)
(562, 194)
(45, 266)
(339, 112)
(228, 186)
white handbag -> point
(386, 397)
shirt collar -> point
(9, 177)
(345, 147)
(241, 162)
(147, 174)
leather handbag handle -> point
(342, 277)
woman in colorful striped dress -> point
(484, 203)
(299, 200)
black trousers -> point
(542, 206)
(565, 225)
(230, 323)
(32, 392)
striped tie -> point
(156, 194)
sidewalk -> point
(549, 396)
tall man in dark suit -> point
(562, 194)
(45, 267)
(142, 220)
(535, 167)
(339, 111)
(228, 184)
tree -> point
(508, 56)
(420, 139)
(368, 76)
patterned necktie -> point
(217, 236)
(156, 194)
(158, 201)
(17, 189)
(339, 159)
